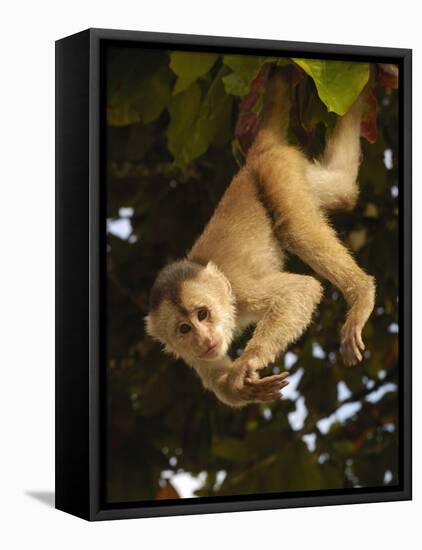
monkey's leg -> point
(302, 229)
(287, 302)
(275, 115)
(333, 180)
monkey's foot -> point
(352, 344)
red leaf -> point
(368, 127)
(387, 75)
(246, 129)
(247, 120)
(297, 75)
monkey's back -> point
(239, 237)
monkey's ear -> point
(151, 328)
(212, 268)
(151, 331)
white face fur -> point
(196, 322)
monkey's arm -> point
(288, 301)
(236, 387)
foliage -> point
(338, 82)
(179, 124)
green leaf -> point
(181, 143)
(182, 84)
(192, 130)
(189, 66)
(338, 82)
(244, 69)
(144, 104)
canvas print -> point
(252, 311)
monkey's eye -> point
(202, 314)
(184, 329)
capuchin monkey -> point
(233, 275)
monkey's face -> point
(199, 324)
(198, 333)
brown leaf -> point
(166, 492)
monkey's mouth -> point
(212, 350)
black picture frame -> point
(80, 273)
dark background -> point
(169, 158)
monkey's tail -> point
(277, 104)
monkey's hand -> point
(264, 389)
(244, 383)
(237, 383)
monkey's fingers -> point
(351, 343)
(257, 390)
(359, 340)
(350, 353)
(270, 395)
(264, 389)
(269, 392)
(267, 380)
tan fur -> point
(277, 200)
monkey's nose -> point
(209, 344)
(206, 341)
